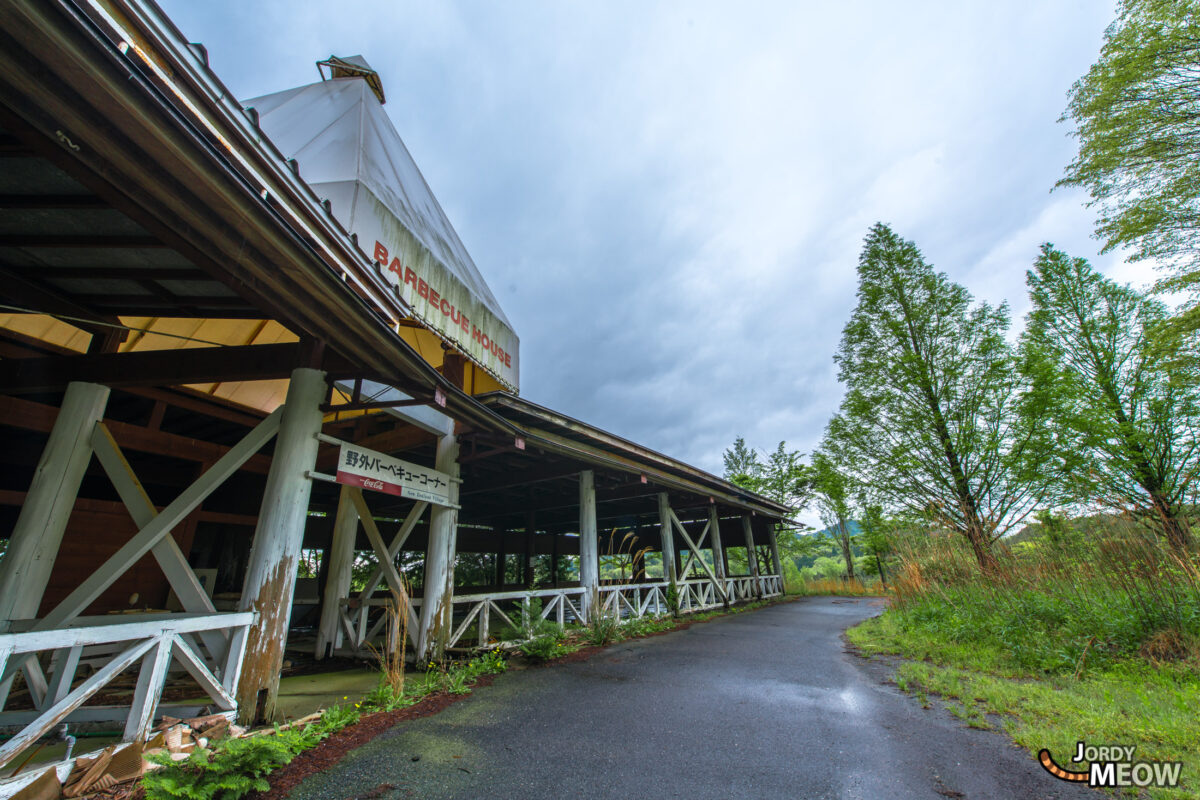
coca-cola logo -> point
(370, 484)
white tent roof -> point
(349, 152)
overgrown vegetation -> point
(1086, 629)
(1085, 598)
(603, 629)
(853, 587)
(233, 767)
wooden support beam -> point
(160, 526)
(718, 551)
(25, 291)
(714, 528)
(405, 530)
(151, 367)
(719, 585)
(437, 610)
(509, 479)
(501, 560)
(530, 549)
(39, 417)
(667, 545)
(155, 273)
(337, 583)
(72, 241)
(387, 567)
(50, 201)
(554, 559)
(589, 554)
(751, 556)
(35, 540)
(199, 403)
(694, 554)
(148, 690)
(774, 543)
(9, 497)
(271, 574)
(166, 552)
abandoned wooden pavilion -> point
(216, 357)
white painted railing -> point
(49, 660)
(624, 601)
(358, 628)
(565, 604)
(633, 600)
(362, 621)
(771, 585)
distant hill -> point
(855, 530)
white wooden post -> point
(275, 553)
(589, 547)
(437, 609)
(773, 539)
(485, 615)
(66, 661)
(146, 694)
(338, 576)
(751, 557)
(718, 551)
(668, 538)
(34, 542)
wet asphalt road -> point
(765, 704)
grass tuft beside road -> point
(1156, 708)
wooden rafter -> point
(152, 367)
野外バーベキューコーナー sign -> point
(377, 472)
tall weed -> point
(1056, 604)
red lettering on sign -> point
(381, 253)
(447, 309)
(410, 276)
(435, 299)
(423, 288)
(396, 267)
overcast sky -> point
(668, 199)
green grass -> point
(835, 586)
(1122, 700)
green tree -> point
(929, 418)
(782, 477)
(785, 478)
(1137, 118)
(831, 489)
(875, 537)
(1122, 423)
(742, 465)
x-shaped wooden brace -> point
(153, 536)
(387, 554)
(696, 553)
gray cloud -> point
(668, 199)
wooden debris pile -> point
(111, 773)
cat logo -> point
(1113, 766)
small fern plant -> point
(232, 769)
